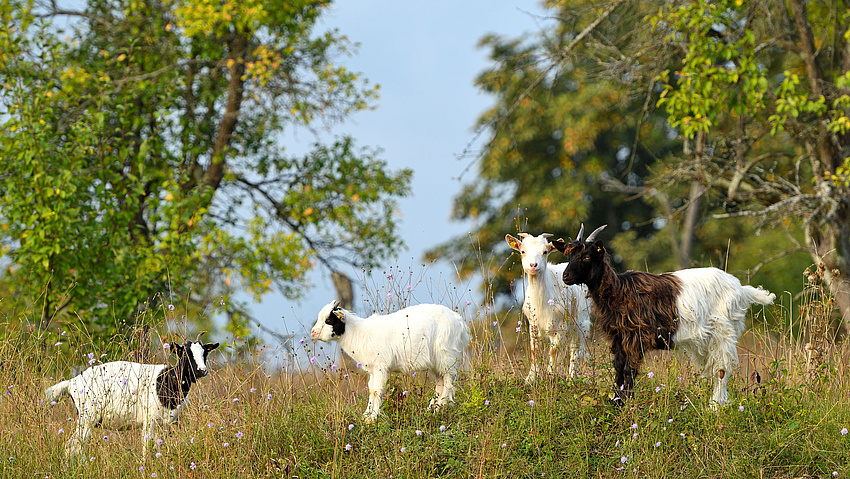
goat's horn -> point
(592, 236)
(546, 235)
(199, 336)
(580, 232)
(523, 235)
(335, 305)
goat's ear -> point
(560, 245)
(210, 346)
(512, 242)
(178, 348)
(339, 314)
(598, 249)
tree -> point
(762, 87)
(143, 159)
(576, 136)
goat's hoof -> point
(616, 400)
(369, 419)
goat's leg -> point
(720, 396)
(620, 362)
(447, 394)
(439, 389)
(377, 382)
(77, 442)
(533, 332)
(554, 347)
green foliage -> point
(142, 157)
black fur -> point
(174, 382)
(337, 325)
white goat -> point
(426, 337)
(124, 395)
(553, 309)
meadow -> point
(788, 417)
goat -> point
(548, 301)
(426, 337)
(699, 310)
(124, 395)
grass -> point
(788, 417)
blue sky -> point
(425, 57)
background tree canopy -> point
(142, 157)
(661, 120)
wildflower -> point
(239, 435)
(551, 302)
(210, 425)
(348, 447)
(165, 345)
(623, 459)
(91, 459)
(442, 428)
(468, 302)
(105, 438)
(657, 388)
(633, 426)
(269, 396)
(418, 432)
(359, 364)
(222, 301)
(409, 287)
(58, 343)
(345, 376)
(670, 420)
(147, 436)
(159, 442)
(252, 390)
(413, 374)
(531, 403)
(617, 443)
(192, 466)
(682, 434)
(334, 367)
(141, 468)
(313, 360)
(504, 445)
(741, 408)
(634, 436)
(302, 341)
(91, 355)
(403, 449)
(192, 440)
(404, 393)
(390, 294)
(235, 399)
(158, 455)
(350, 427)
(650, 375)
(390, 276)
(657, 444)
(102, 355)
(843, 431)
(171, 307)
(153, 474)
(61, 431)
(225, 444)
(486, 402)
(495, 323)
(517, 329)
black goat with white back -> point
(700, 310)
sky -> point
(425, 57)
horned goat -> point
(552, 308)
(700, 311)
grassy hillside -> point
(789, 416)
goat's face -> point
(585, 258)
(534, 251)
(330, 323)
(195, 353)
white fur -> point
(427, 337)
(569, 315)
(117, 395)
(712, 307)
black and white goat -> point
(125, 395)
(553, 309)
(700, 311)
(425, 337)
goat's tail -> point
(759, 295)
(53, 393)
